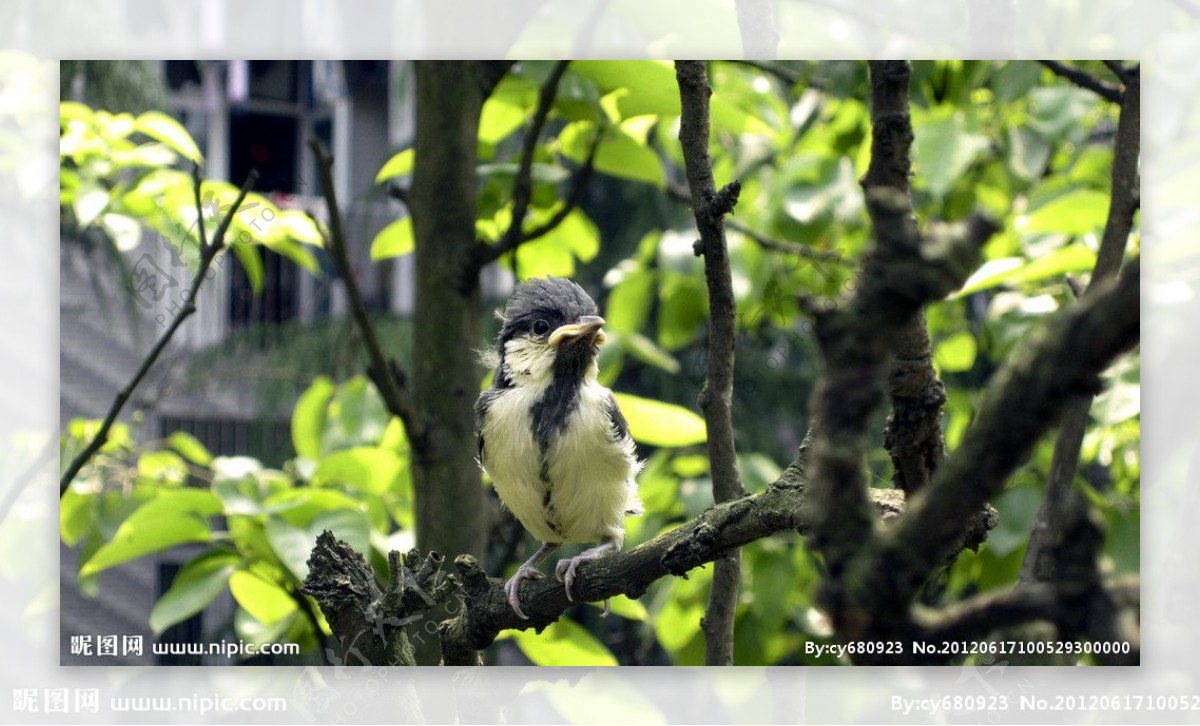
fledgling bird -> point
(551, 437)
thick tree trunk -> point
(446, 375)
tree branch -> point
(369, 623)
(782, 507)
(578, 186)
(1084, 80)
(1038, 564)
(913, 433)
(522, 194)
(389, 378)
(208, 252)
(1058, 362)
(709, 207)
(680, 193)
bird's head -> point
(551, 330)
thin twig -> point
(1084, 80)
(396, 397)
(574, 197)
(680, 193)
(1025, 397)
(790, 248)
(207, 254)
(523, 184)
(1038, 564)
(710, 207)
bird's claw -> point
(513, 586)
(564, 572)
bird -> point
(550, 436)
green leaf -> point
(293, 542)
(164, 468)
(194, 587)
(302, 505)
(629, 302)
(660, 424)
(292, 545)
(626, 607)
(252, 264)
(394, 240)
(1014, 270)
(956, 353)
(356, 416)
(1028, 152)
(539, 173)
(500, 118)
(75, 515)
(190, 447)
(1057, 111)
(645, 350)
(1074, 213)
(74, 111)
(576, 233)
(651, 86)
(308, 418)
(125, 231)
(618, 155)
(162, 127)
(944, 148)
(173, 517)
(399, 165)
(1018, 508)
(266, 601)
(90, 201)
(298, 226)
(366, 468)
(682, 309)
(564, 643)
(677, 623)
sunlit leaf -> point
(194, 587)
(160, 126)
(956, 353)
(660, 424)
(394, 240)
(499, 119)
(943, 149)
(266, 601)
(564, 643)
(190, 447)
(368, 468)
(252, 264)
(1011, 271)
(1077, 212)
(308, 418)
(173, 517)
(90, 201)
(399, 165)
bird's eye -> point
(541, 327)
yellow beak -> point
(587, 325)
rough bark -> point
(710, 207)
(1039, 560)
(448, 493)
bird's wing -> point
(619, 425)
(482, 404)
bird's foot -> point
(513, 586)
(564, 571)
